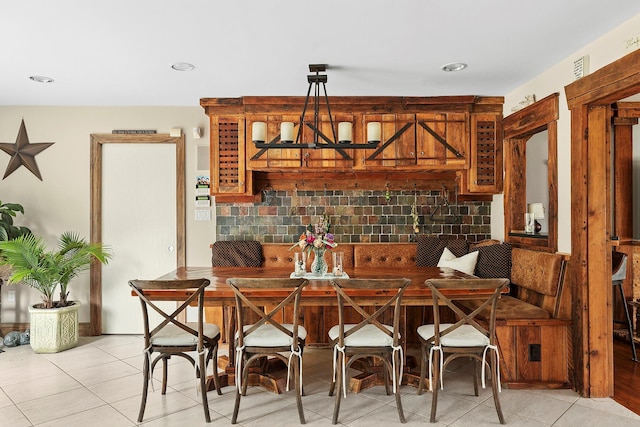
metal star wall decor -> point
(23, 153)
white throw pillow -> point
(465, 264)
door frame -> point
(94, 327)
(589, 99)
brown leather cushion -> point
(509, 308)
(279, 255)
(536, 271)
(429, 249)
(236, 253)
(384, 254)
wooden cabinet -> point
(228, 173)
(329, 158)
(534, 353)
(397, 147)
(309, 158)
(262, 158)
(485, 169)
(424, 136)
(442, 140)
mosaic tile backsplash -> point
(356, 216)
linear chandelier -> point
(340, 140)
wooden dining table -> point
(319, 292)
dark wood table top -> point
(317, 292)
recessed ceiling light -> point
(41, 79)
(454, 66)
(183, 66)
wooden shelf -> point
(522, 233)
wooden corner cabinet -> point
(457, 138)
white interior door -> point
(139, 223)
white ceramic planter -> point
(54, 329)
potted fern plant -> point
(46, 271)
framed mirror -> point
(531, 175)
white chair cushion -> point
(464, 336)
(466, 263)
(269, 336)
(367, 336)
(172, 335)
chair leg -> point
(386, 372)
(296, 373)
(476, 373)
(165, 372)
(435, 381)
(338, 392)
(202, 367)
(423, 368)
(145, 388)
(213, 356)
(245, 376)
(236, 407)
(397, 391)
(332, 387)
(494, 385)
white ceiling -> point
(119, 52)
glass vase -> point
(319, 266)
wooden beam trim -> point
(532, 119)
(609, 84)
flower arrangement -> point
(317, 236)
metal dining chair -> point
(170, 337)
(470, 337)
(368, 338)
(268, 336)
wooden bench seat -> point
(533, 323)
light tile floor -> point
(98, 383)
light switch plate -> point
(203, 214)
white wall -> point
(601, 52)
(60, 202)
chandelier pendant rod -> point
(314, 125)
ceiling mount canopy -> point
(339, 138)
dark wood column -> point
(623, 176)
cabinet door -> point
(442, 140)
(264, 158)
(398, 141)
(322, 158)
(485, 172)
(228, 174)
